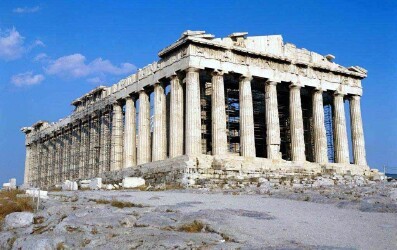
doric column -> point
(26, 176)
(58, 158)
(34, 167)
(129, 133)
(143, 150)
(358, 142)
(105, 142)
(46, 161)
(247, 136)
(117, 138)
(68, 153)
(219, 136)
(159, 148)
(94, 145)
(273, 140)
(75, 152)
(176, 117)
(341, 144)
(297, 137)
(83, 149)
(193, 112)
(319, 132)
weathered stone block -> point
(85, 184)
(13, 183)
(69, 186)
(133, 182)
(6, 186)
(96, 184)
(36, 193)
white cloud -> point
(95, 80)
(27, 78)
(40, 57)
(21, 10)
(11, 45)
(75, 66)
(38, 43)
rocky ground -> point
(254, 217)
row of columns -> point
(185, 125)
(158, 151)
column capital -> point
(192, 69)
(246, 77)
(339, 93)
(318, 89)
(130, 97)
(174, 75)
(272, 82)
(158, 83)
(355, 97)
(295, 85)
(116, 103)
(217, 73)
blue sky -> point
(53, 52)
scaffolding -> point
(307, 115)
(329, 132)
(206, 114)
(283, 111)
(232, 115)
(259, 106)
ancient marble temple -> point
(251, 105)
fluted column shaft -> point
(341, 144)
(117, 138)
(247, 136)
(193, 112)
(129, 134)
(75, 152)
(319, 132)
(176, 117)
(159, 148)
(58, 152)
(94, 144)
(31, 164)
(297, 136)
(68, 156)
(143, 149)
(35, 163)
(26, 177)
(358, 142)
(105, 143)
(218, 113)
(273, 140)
(83, 149)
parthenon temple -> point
(209, 108)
